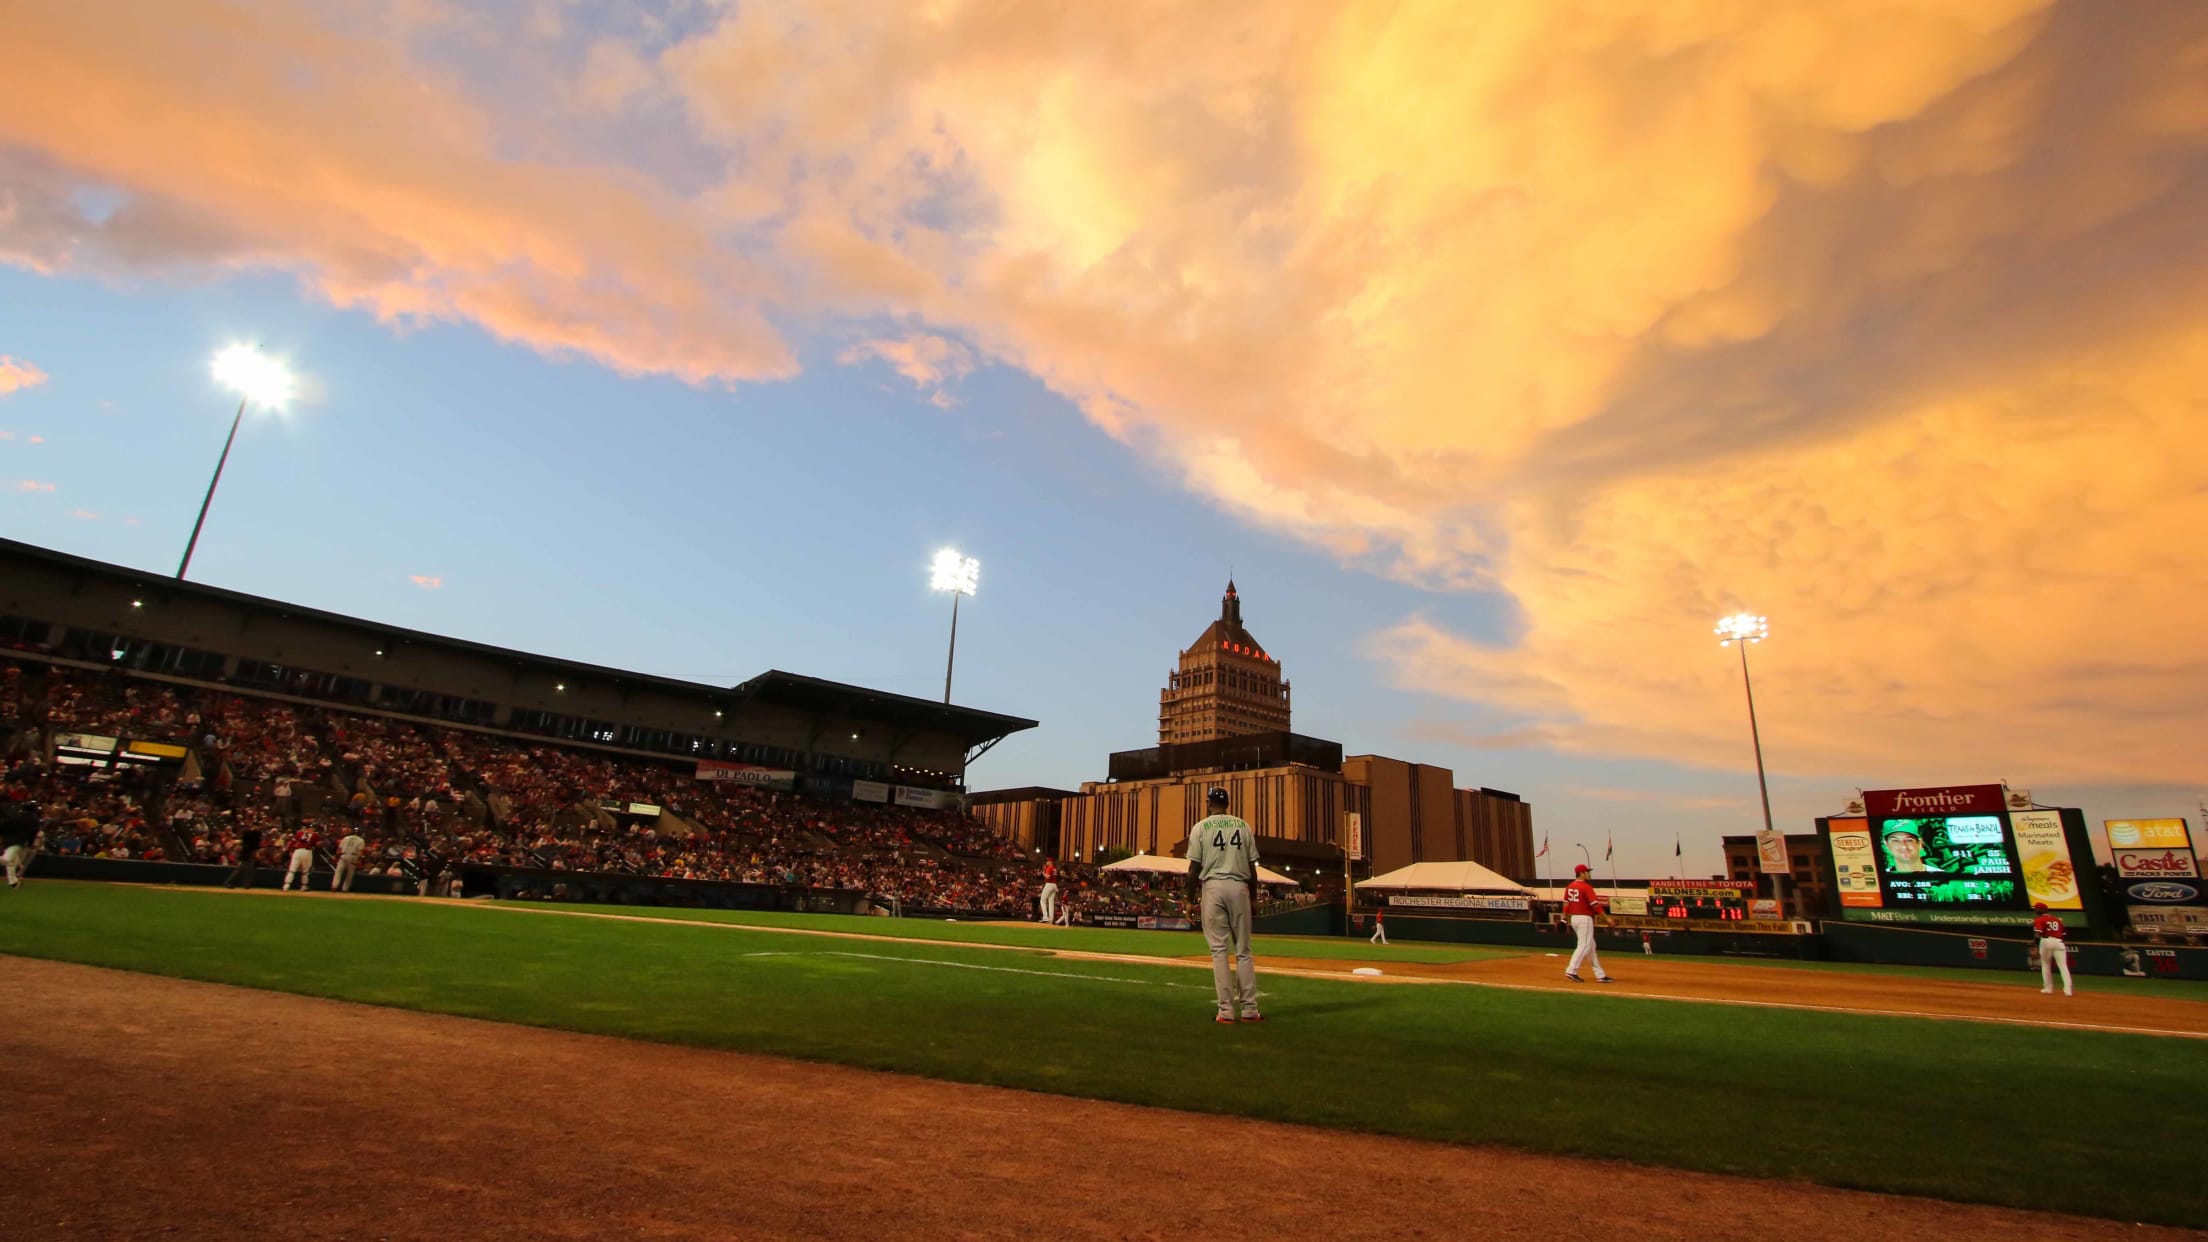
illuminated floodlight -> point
(955, 573)
(254, 376)
(1742, 627)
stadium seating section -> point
(429, 797)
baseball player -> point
(1380, 925)
(348, 861)
(1050, 891)
(1580, 904)
(19, 818)
(302, 859)
(2053, 950)
(1222, 873)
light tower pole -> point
(959, 575)
(256, 378)
(1741, 629)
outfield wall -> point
(1912, 946)
(197, 875)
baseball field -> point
(1459, 1082)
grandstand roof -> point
(773, 687)
(814, 694)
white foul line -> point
(1004, 970)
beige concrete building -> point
(1223, 721)
(1226, 686)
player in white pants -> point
(1580, 903)
(1380, 925)
(2054, 951)
(1222, 868)
(302, 860)
(348, 862)
(1049, 901)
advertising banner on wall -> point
(869, 791)
(2156, 864)
(1945, 800)
(2041, 849)
(2163, 892)
(933, 799)
(2150, 834)
(746, 774)
(1771, 852)
(1356, 834)
(1854, 866)
(1474, 902)
(2171, 920)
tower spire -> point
(1230, 606)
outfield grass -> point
(1036, 936)
(1958, 1110)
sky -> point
(1495, 351)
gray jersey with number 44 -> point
(1223, 848)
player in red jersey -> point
(1050, 891)
(1580, 904)
(2053, 950)
(302, 859)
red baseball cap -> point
(2040, 906)
(1581, 868)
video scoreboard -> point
(1680, 904)
(1958, 854)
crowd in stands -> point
(430, 798)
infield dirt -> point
(1743, 983)
(141, 1106)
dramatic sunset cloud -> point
(1882, 318)
(932, 363)
(16, 374)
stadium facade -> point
(1223, 720)
(825, 734)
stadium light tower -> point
(258, 380)
(959, 575)
(1741, 629)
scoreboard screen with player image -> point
(1955, 855)
(1948, 860)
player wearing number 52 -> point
(1222, 877)
(1580, 904)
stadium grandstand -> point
(157, 721)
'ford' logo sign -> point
(2164, 892)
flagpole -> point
(1610, 855)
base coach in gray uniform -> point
(1222, 875)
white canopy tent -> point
(1447, 877)
(1162, 865)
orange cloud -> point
(932, 363)
(425, 581)
(1880, 318)
(33, 485)
(16, 374)
(84, 515)
(328, 151)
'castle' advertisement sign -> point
(2162, 864)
